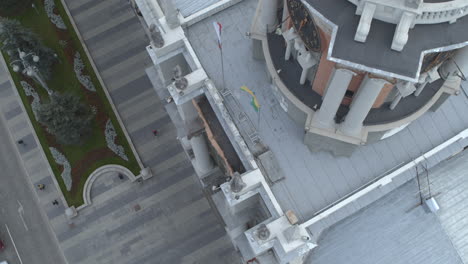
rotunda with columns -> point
(353, 72)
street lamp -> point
(29, 69)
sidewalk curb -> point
(33, 131)
(58, 191)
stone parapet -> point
(290, 242)
(425, 13)
(379, 187)
(405, 14)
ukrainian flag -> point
(254, 102)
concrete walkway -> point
(165, 219)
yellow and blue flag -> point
(254, 102)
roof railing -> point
(426, 13)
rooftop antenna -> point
(156, 37)
(462, 76)
(180, 82)
(237, 184)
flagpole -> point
(219, 31)
(222, 67)
(258, 122)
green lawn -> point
(94, 153)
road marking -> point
(14, 245)
(21, 212)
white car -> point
(3, 262)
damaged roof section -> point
(218, 138)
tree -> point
(14, 36)
(13, 7)
(69, 120)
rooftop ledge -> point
(426, 12)
(375, 54)
(304, 98)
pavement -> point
(24, 228)
(165, 219)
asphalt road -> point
(22, 224)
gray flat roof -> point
(436, 1)
(449, 185)
(376, 52)
(190, 7)
(395, 229)
(312, 180)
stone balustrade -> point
(426, 13)
(433, 13)
(405, 14)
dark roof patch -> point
(376, 52)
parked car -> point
(2, 246)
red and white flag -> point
(219, 30)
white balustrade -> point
(406, 14)
(426, 13)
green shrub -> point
(65, 117)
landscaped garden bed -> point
(72, 88)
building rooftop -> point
(376, 52)
(313, 181)
(385, 231)
(290, 72)
(190, 7)
(395, 223)
(436, 1)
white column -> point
(400, 38)
(325, 116)
(289, 45)
(290, 37)
(171, 13)
(428, 77)
(307, 62)
(268, 14)
(305, 72)
(421, 88)
(203, 160)
(362, 104)
(396, 101)
(365, 22)
(285, 15)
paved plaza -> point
(165, 219)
